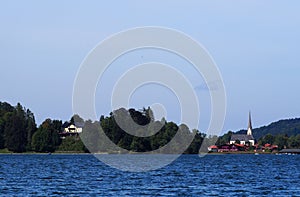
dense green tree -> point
(5, 107)
(5, 110)
(17, 126)
(294, 141)
(2, 125)
(46, 138)
(72, 143)
(162, 133)
(281, 140)
(196, 143)
(57, 125)
(30, 128)
(94, 137)
(15, 130)
(225, 138)
(137, 145)
(125, 142)
(267, 139)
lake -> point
(189, 175)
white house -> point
(72, 129)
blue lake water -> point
(189, 175)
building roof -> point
(241, 137)
(290, 151)
(213, 146)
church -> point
(244, 138)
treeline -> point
(19, 132)
(17, 126)
(281, 140)
(163, 132)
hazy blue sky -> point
(254, 43)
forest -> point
(20, 133)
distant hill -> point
(288, 126)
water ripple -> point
(190, 175)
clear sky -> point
(254, 43)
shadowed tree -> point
(46, 138)
(15, 130)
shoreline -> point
(83, 153)
(6, 152)
(244, 153)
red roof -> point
(267, 145)
(213, 146)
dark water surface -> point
(190, 175)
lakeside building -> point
(290, 151)
(71, 130)
(245, 142)
(213, 148)
(244, 138)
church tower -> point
(249, 131)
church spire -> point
(249, 131)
